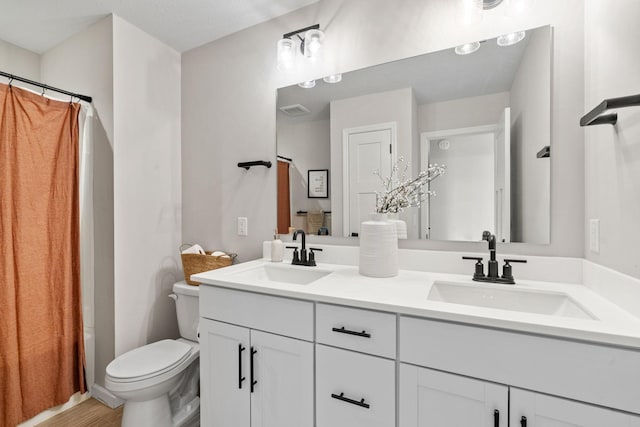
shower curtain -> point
(41, 331)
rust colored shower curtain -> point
(41, 333)
(284, 205)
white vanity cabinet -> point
(249, 377)
(436, 355)
(355, 386)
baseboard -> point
(105, 396)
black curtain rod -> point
(46, 87)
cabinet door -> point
(224, 362)
(529, 409)
(431, 398)
(283, 375)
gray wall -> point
(229, 102)
(612, 175)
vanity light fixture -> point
(511, 38)
(310, 39)
(466, 49)
(334, 78)
(308, 84)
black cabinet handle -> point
(240, 377)
(342, 330)
(496, 418)
(523, 421)
(353, 402)
(253, 382)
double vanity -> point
(285, 345)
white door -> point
(502, 181)
(283, 374)
(431, 398)
(224, 375)
(529, 409)
(367, 152)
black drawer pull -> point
(240, 377)
(523, 422)
(353, 402)
(496, 418)
(346, 331)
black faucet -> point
(301, 257)
(492, 275)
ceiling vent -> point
(295, 110)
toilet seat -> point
(148, 361)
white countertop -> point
(406, 294)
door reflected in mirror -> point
(485, 116)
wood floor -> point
(90, 413)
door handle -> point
(251, 369)
(523, 421)
(496, 418)
(342, 397)
(240, 377)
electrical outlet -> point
(594, 235)
(243, 226)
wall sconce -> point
(310, 45)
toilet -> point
(159, 382)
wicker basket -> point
(197, 263)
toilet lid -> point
(149, 360)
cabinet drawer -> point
(356, 329)
(343, 379)
(283, 316)
(606, 376)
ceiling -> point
(39, 25)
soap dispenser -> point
(277, 248)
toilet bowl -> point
(159, 382)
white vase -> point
(378, 247)
(401, 225)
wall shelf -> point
(597, 116)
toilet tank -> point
(187, 309)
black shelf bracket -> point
(247, 165)
(597, 116)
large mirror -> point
(484, 115)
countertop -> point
(407, 293)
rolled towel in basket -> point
(195, 249)
(220, 254)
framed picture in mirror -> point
(318, 180)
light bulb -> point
(334, 78)
(511, 38)
(312, 43)
(308, 84)
(467, 48)
(286, 54)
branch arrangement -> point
(401, 192)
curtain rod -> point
(46, 87)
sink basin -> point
(282, 273)
(513, 299)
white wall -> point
(18, 61)
(307, 144)
(530, 124)
(229, 102)
(612, 69)
(147, 192)
(395, 106)
(91, 53)
(461, 113)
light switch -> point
(243, 226)
(594, 235)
